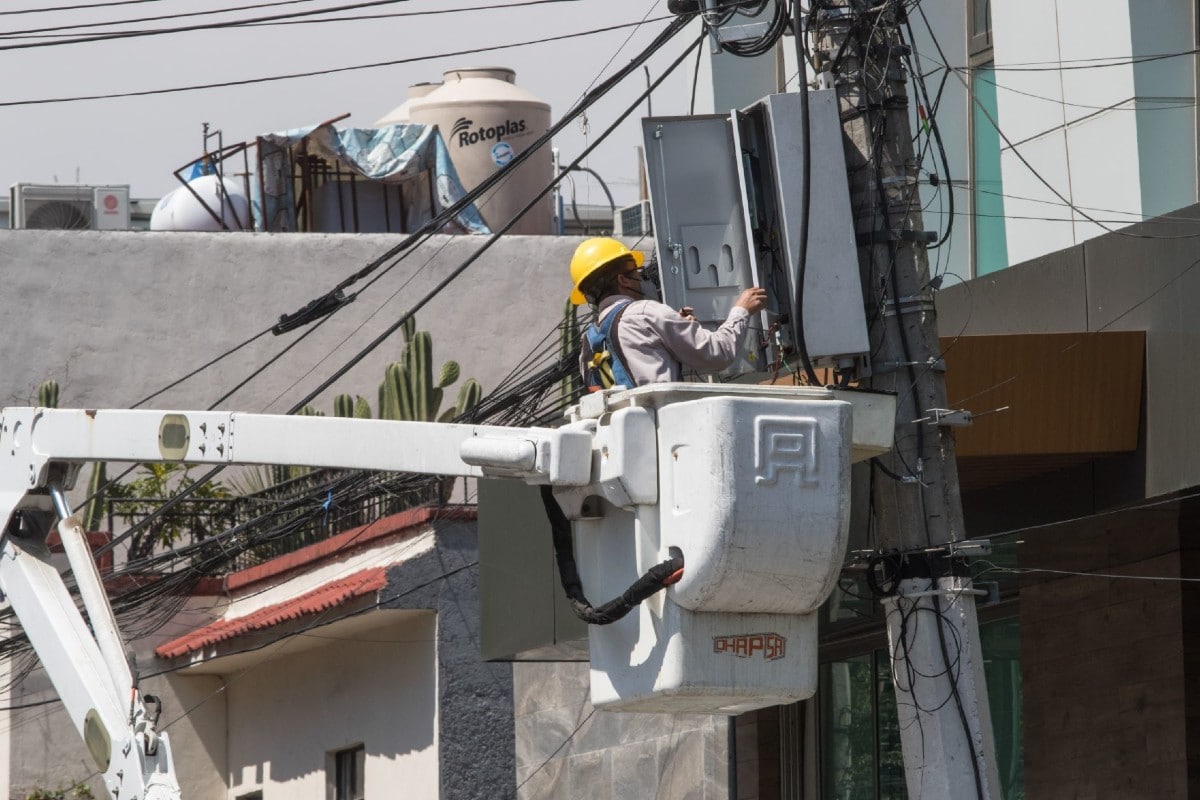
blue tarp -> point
(410, 156)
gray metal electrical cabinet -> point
(726, 195)
(700, 228)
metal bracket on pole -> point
(881, 367)
(947, 418)
(907, 305)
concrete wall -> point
(287, 714)
(566, 750)
(45, 752)
(115, 316)
(1109, 691)
(1144, 277)
(1118, 142)
(474, 725)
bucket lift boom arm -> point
(750, 483)
(41, 451)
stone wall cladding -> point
(566, 749)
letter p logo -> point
(785, 444)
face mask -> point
(651, 283)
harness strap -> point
(607, 361)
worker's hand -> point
(687, 312)
(753, 299)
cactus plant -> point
(418, 361)
(469, 395)
(449, 374)
(48, 394)
(352, 407)
(93, 511)
(568, 340)
(362, 409)
(408, 391)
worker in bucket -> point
(636, 340)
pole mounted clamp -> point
(907, 305)
(947, 417)
(882, 367)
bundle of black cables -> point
(657, 578)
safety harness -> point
(602, 354)
(605, 369)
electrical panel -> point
(726, 195)
(700, 229)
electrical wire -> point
(575, 208)
(766, 41)
(302, 18)
(668, 33)
(1012, 148)
(81, 7)
(914, 59)
(201, 368)
(319, 72)
(208, 12)
(874, 62)
(457, 271)
(805, 217)
(105, 37)
(569, 738)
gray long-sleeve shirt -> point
(655, 340)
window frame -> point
(336, 762)
(979, 53)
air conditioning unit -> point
(633, 220)
(53, 207)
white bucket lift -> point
(748, 484)
(752, 485)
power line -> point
(301, 17)
(104, 37)
(425, 231)
(676, 25)
(180, 15)
(405, 247)
(317, 73)
(1012, 148)
(355, 18)
(1080, 574)
(80, 7)
(1066, 65)
(671, 30)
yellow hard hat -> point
(594, 254)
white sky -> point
(140, 141)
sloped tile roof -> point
(330, 595)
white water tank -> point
(180, 210)
(399, 114)
(487, 121)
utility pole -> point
(933, 634)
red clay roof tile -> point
(322, 598)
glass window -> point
(850, 601)
(981, 19)
(1001, 641)
(860, 734)
(349, 767)
(979, 29)
(987, 192)
(859, 743)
